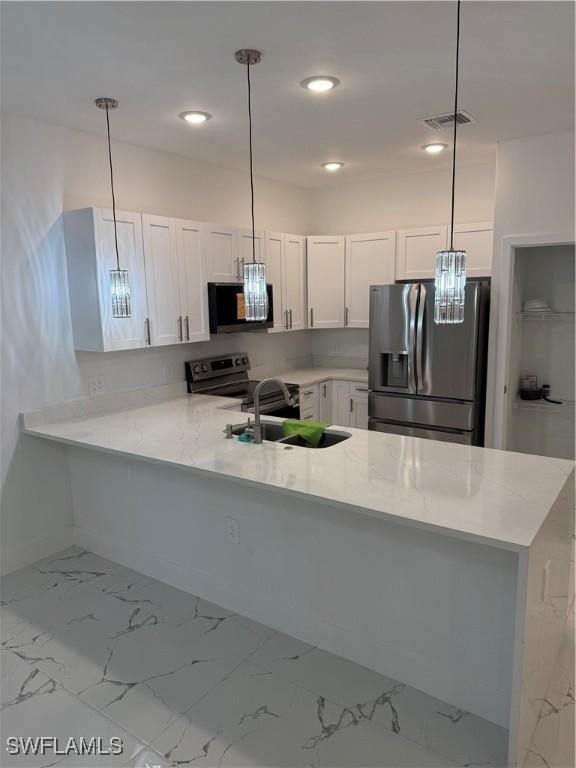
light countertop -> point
(306, 376)
(494, 497)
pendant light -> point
(451, 264)
(255, 293)
(119, 283)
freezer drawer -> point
(464, 438)
(421, 411)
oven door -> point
(277, 407)
(226, 309)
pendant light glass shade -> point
(450, 282)
(255, 293)
(120, 292)
(449, 287)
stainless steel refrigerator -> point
(427, 380)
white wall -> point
(45, 170)
(534, 195)
(401, 201)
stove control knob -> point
(245, 360)
(196, 369)
(238, 361)
(204, 369)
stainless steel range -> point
(228, 377)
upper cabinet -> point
(162, 280)
(325, 272)
(192, 280)
(91, 255)
(166, 275)
(417, 250)
(477, 241)
(246, 254)
(370, 260)
(222, 249)
(274, 275)
(294, 281)
(285, 268)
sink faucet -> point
(257, 432)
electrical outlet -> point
(232, 530)
(96, 385)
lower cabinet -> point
(344, 403)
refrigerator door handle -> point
(413, 309)
(420, 337)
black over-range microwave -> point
(226, 309)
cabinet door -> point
(222, 254)
(294, 280)
(340, 403)
(160, 259)
(126, 332)
(246, 255)
(274, 268)
(359, 405)
(325, 259)
(370, 260)
(192, 279)
(477, 241)
(325, 401)
(417, 250)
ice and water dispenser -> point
(394, 370)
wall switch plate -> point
(96, 385)
(232, 530)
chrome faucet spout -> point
(257, 434)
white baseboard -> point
(18, 557)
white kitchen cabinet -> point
(294, 281)
(325, 401)
(370, 260)
(340, 392)
(245, 246)
(162, 283)
(477, 241)
(309, 402)
(275, 255)
(417, 248)
(91, 254)
(192, 280)
(358, 396)
(325, 272)
(222, 252)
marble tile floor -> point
(92, 649)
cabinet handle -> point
(237, 267)
(361, 389)
(147, 331)
(351, 405)
(307, 394)
(345, 316)
(180, 337)
(187, 329)
(290, 319)
(240, 269)
(286, 319)
(324, 390)
(311, 317)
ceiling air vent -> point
(447, 120)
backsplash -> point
(340, 348)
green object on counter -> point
(310, 431)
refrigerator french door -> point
(427, 380)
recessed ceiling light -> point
(332, 166)
(434, 149)
(195, 118)
(320, 83)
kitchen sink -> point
(272, 433)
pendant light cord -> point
(251, 161)
(455, 128)
(112, 188)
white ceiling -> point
(395, 61)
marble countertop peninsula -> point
(494, 497)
